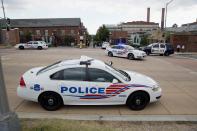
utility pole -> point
(167, 11)
(6, 25)
(8, 120)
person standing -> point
(183, 48)
(178, 48)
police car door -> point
(115, 50)
(162, 49)
(35, 44)
(100, 82)
(121, 51)
(155, 49)
(72, 84)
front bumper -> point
(156, 95)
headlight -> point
(155, 87)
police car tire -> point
(147, 53)
(130, 56)
(39, 47)
(21, 47)
(45, 97)
(166, 54)
(135, 98)
(110, 54)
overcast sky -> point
(94, 13)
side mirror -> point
(115, 81)
(110, 63)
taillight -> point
(22, 82)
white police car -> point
(32, 45)
(125, 51)
(87, 81)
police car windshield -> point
(47, 68)
(120, 73)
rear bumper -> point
(26, 94)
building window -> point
(21, 33)
(37, 32)
(72, 32)
(62, 32)
(46, 32)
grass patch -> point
(75, 125)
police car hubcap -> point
(138, 101)
(50, 101)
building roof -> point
(45, 22)
(140, 23)
(188, 24)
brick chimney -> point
(148, 14)
(162, 18)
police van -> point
(87, 81)
(159, 48)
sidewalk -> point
(187, 54)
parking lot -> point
(176, 75)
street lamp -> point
(167, 11)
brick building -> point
(189, 40)
(51, 30)
(135, 29)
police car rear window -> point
(47, 68)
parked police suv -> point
(159, 48)
(87, 81)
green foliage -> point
(144, 40)
(68, 40)
(167, 35)
(102, 34)
(28, 36)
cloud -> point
(95, 13)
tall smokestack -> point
(148, 14)
(162, 18)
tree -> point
(68, 40)
(144, 40)
(102, 34)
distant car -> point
(159, 48)
(105, 45)
(32, 45)
(125, 51)
(87, 81)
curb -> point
(147, 118)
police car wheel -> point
(138, 100)
(130, 56)
(147, 53)
(39, 47)
(50, 101)
(110, 54)
(166, 54)
(21, 47)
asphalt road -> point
(177, 77)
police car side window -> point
(114, 47)
(156, 46)
(162, 46)
(72, 74)
(98, 75)
(57, 76)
